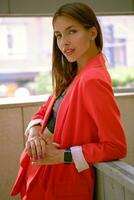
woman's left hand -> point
(54, 155)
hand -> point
(35, 145)
(34, 130)
(36, 148)
(54, 155)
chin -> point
(71, 60)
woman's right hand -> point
(35, 144)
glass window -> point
(25, 55)
(118, 48)
(26, 47)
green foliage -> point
(122, 76)
(42, 84)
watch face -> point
(67, 156)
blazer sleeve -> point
(100, 104)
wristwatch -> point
(67, 156)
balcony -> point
(114, 180)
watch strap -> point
(67, 156)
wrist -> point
(34, 131)
(67, 156)
(32, 123)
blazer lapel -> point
(47, 114)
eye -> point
(71, 31)
(58, 36)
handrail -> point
(119, 171)
(15, 101)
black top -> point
(52, 118)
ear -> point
(93, 33)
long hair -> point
(63, 72)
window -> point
(26, 46)
(118, 48)
(25, 53)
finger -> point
(42, 136)
(56, 144)
(41, 162)
(38, 148)
(28, 148)
(49, 140)
(33, 150)
(38, 162)
(43, 148)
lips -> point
(68, 52)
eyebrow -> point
(69, 27)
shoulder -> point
(95, 80)
(96, 69)
(98, 72)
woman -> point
(80, 123)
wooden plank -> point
(11, 145)
(99, 185)
(129, 195)
(119, 171)
(112, 189)
(126, 106)
(28, 112)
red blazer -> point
(88, 117)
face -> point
(73, 40)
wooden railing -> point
(114, 181)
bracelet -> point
(67, 156)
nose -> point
(64, 41)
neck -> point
(81, 63)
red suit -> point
(87, 117)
